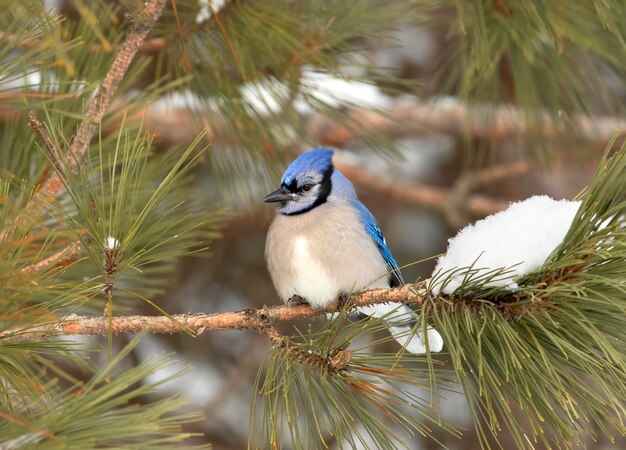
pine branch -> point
(101, 101)
(405, 119)
(259, 319)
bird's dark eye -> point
(307, 187)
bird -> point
(324, 243)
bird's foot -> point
(342, 301)
(297, 300)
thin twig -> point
(496, 173)
(260, 319)
(336, 362)
(69, 254)
(53, 151)
(186, 60)
(460, 194)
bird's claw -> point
(296, 300)
(342, 301)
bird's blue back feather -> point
(370, 224)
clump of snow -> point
(206, 9)
(265, 97)
(176, 100)
(111, 243)
(335, 92)
(519, 239)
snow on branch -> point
(516, 241)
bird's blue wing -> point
(370, 224)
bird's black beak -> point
(278, 196)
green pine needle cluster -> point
(97, 414)
(134, 207)
(537, 54)
(143, 203)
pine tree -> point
(100, 198)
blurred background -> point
(441, 113)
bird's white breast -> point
(311, 279)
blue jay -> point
(324, 242)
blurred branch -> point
(496, 173)
(26, 44)
(411, 117)
(260, 319)
(407, 118)
(180, 126)
(434, 197)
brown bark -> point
(260, 319)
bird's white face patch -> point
(311, 279)
(309, 177)
(302, 200)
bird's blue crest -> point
(317, 160)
